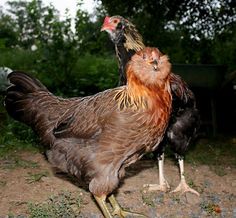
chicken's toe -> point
(184, 187)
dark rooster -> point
(95, 138)
(185, 119)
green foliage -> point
(214, 153)
(200, 19)
(207, 19)
(61, 205)
(19, 59)
(89, 74)
(49, 48)
(32, 20)
(95, 74)
(39, 41)
(224, 49)
(90, 39)
(13, 161)
(8, 37)
(36, 177)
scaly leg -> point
(183, 186)
(102, 204)
(163, 184)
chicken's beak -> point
(104, 28)
(155, 64)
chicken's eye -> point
(115, 21)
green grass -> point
(36, 177)
(148, 199)
(13, 161)
(191, 182)
(62, 205)
(217, 153)
(15, 136)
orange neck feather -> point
(139, 96)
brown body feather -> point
(96, 137)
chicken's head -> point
(149, 66)
(115, 26)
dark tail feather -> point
(19, 95)
(25, 82)
(182, 96)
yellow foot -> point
(123, 214)
(184, 187)
(155, 187)
(118, 211)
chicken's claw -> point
(184, 187)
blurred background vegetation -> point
(72, 57)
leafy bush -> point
(18, 59)
(93, 74)
(89, 74)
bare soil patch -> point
(28, 177)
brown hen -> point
(95, 138)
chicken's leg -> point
(163, 184)
(183, 186)
(102, 204)
(117, 210)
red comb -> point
(106, 20)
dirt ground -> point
(217, 193)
